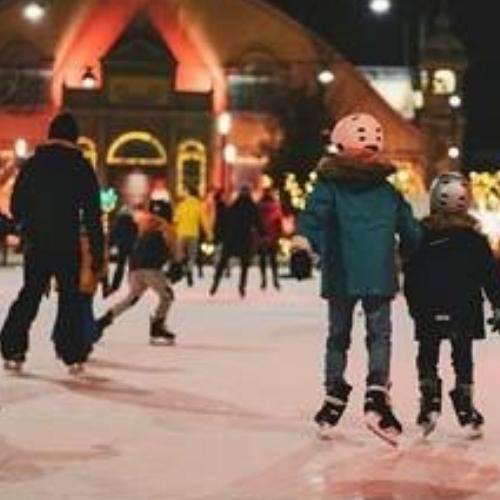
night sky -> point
(370, 40)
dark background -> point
(367, 39)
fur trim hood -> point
(443, 221)
(343, 169)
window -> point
(137, 148)
(444, 82)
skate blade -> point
(76, 370)
(325, 432)
(390, 437)
(473, 432)
(14, 367)
(161, 342)
(430, 427)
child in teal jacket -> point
(351, 221)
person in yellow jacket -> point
(190, 219)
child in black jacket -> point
(444, 282)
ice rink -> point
(226, 414)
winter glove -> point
(495, 321)
(175, 272)
(301, 264)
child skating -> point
(351, 221)
(155, 244)
(443, 286)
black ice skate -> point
(430, 406)
(379, 416)
(332, 410)
(159, 335)
(468, 417)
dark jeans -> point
(223, 264)
(378, 340)
(268, 253)
(71, 346)
(461, 355)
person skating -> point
(156, 243)
(89, 281)
(190, 219)
(242, 221)
(271, 217)
(55, 192)
(350, 221)
(444, 281)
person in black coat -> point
(55, 193)
(444, 282)
(241, 223)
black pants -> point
(268, 253)
(121, 262)
(223, 264)
(39, 268)
(461, 354)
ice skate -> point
(13, 366)
(430, 406)
(330, 413)
(379, 416)
(76, 369)
(468, 417)
(159, 335)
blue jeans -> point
(378, 340)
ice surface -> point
(227, 413)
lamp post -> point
(224, 124)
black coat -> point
(445, 279)
(241, 226)
(55, 192)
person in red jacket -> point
(271, 217)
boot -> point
(430, 405)
(332, 410)
(468, 417)
(159, 334)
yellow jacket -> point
(190, 218)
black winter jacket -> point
(150, 252)
(445, 279)
(55, 191)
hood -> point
(58, 147)
(440, 222)
(358, 174)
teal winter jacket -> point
(352, 219)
